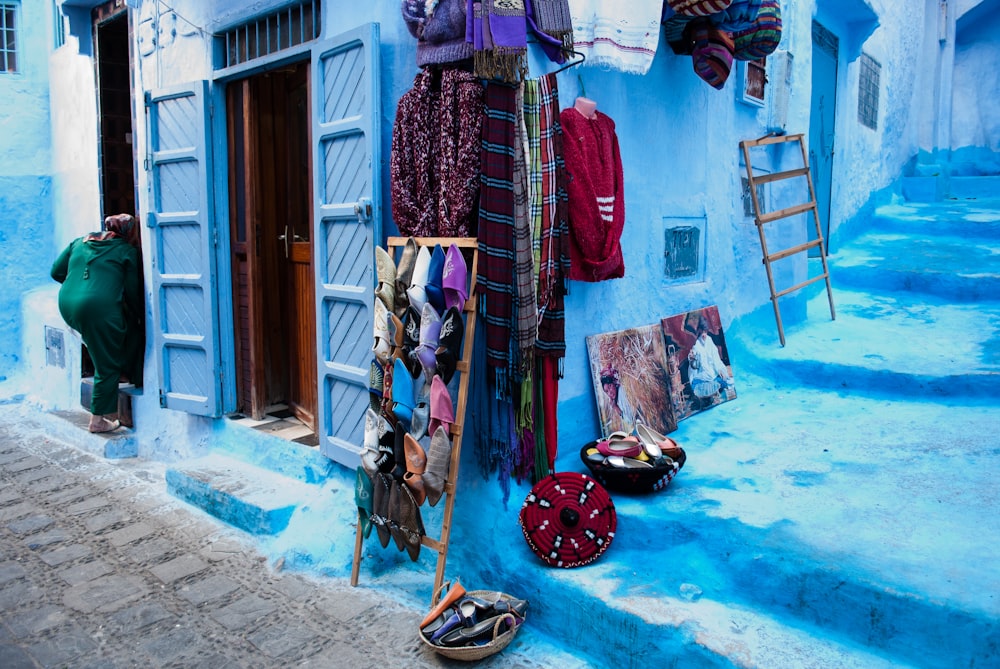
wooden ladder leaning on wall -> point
(469, 247)
(763, 218)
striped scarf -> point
(526, 320)
(553, 233)
(495, 279)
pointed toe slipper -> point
(434, 287)
(435, 474)
(449, 348)
(454, 279)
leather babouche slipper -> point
(449, 348)
(369, 451)
(620, 444)
(363, 490)
(622, 462)
(442, 412)
(402, 393)
(395, 528)
(483, 631)
(454, 279)
(455, 592)
(438, 464)
(376, 385)
(397, 337)
(385, 270)
(411, 525)
(434, 288)
(416, 463)
(411, 340)
(430, 330)
(404, 273)
(381, 485)
(421, 271)
(382, 346)
(657, 444)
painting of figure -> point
(700, 373)
(629, 368)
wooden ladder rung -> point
(805, 283)
(785, 213)
(805, 246)
(778, 176)
(771, 139)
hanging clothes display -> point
(596, 195)
(619, 35)
(434, 162)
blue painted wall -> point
(25, 180)
(679, 142)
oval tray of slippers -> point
(630, 474)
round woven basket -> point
(628, 479)
(500, 639)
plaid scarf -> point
(553, 233)
(499, 33)
(526, 312)
(495, 277)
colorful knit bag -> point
(762, 39)
(712, 52)
(738, 16)
(698, 7)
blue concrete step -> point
(960, 269)
(950, 218)
(897, 344)
(974, 187)
(251, 498)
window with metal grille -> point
(868, 83)
(8, 37)
(290, 26)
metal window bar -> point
(868, 91)
(296, 24)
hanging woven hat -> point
(761, 39)
(738, 16)
(711, 52)
(698, 7)
(568, 519)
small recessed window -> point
(8, 37)
(868, 83)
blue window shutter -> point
(346, 226)
(185, 309)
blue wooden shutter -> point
(186, 326)
(346, 226)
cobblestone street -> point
(100, 567)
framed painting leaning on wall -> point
(698, 366)
(629, 368)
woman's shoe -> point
(628, 447)
(363, 491)
(656, 444)
(385, 270)
(404, 273)
(382, 346)
(416, 463)
(442, 412)
(434, 287)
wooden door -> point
(270, 212)
(300, 297)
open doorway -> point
(111, 33)
(268, 122)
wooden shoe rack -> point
(763, 218)
(469, 248)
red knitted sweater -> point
(596, 196)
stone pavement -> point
(100, 567)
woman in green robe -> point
(101, 298)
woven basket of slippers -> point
(471, 625)
(638, 474)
